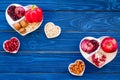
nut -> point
(17, 26)
(77, 68)
(23, 23)
(22, 30)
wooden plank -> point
(50, 63)
(37, 41)
(67, 76)
(115, 5)
(35, 60)
(62, 4)
(79, 21)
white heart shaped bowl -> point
(109, 56)
(74, 73)
(11, 22)
(7, 50)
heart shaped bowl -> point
(11, 45)
(77, 68)
(98, 58)
(30, 26)
(51, 30)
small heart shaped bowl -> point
(77, 65)
(13, 51)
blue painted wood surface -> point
(40, 58)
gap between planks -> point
(58, 73)
(70, 31)
(48, 52)
(76, 10)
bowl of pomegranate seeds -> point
(12, 45)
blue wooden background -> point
(40, 58)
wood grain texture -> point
(59, 76)
(37, 41)
(115, 5)
(54, 5)
(68, 5)
(40, 58)
(77, 21)
(50, 63)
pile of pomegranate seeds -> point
(11, 45)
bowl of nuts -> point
(77, 68)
